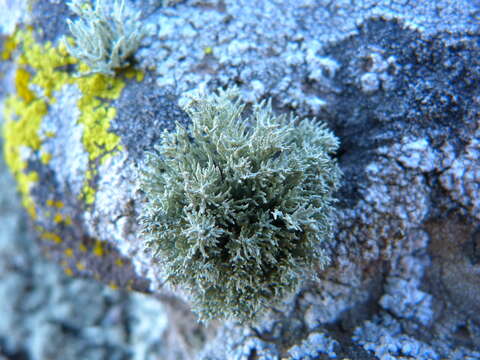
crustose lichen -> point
(105, 36)
(238, 207)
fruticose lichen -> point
(106, 36)
(238, 207)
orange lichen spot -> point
(68, 252)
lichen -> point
(239, 207)
(7, 48)
(41, 70)
(105, 36)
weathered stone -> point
(396, 80)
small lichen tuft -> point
(106, 36)
(238, 207)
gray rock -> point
(398, 83)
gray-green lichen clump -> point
(105, 36)
(238, 207)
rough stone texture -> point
(48, 315)
(398, 83)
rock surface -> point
(397, 81)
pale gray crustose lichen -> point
(238, 207)
(105, 36)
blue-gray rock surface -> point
(397, 81)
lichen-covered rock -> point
(239, 207)
(397, 81)
(49, 315)
(106, 35)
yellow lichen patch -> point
(56, 204)
(80, 266)
(25, 182)
(58, 218)
(41, 71)
(131, 73)
(208, 50)
(68, 252)
(24, 110)
(139, 76)
(119, 262)
(52, 237)
(82, 248)
(112, 285)
(45, 158)
(22, 79)
(9, 46)
(96, 116)
(98, 249)
(22, 122)
(88, 192)
(68, 271)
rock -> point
(397, 81)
